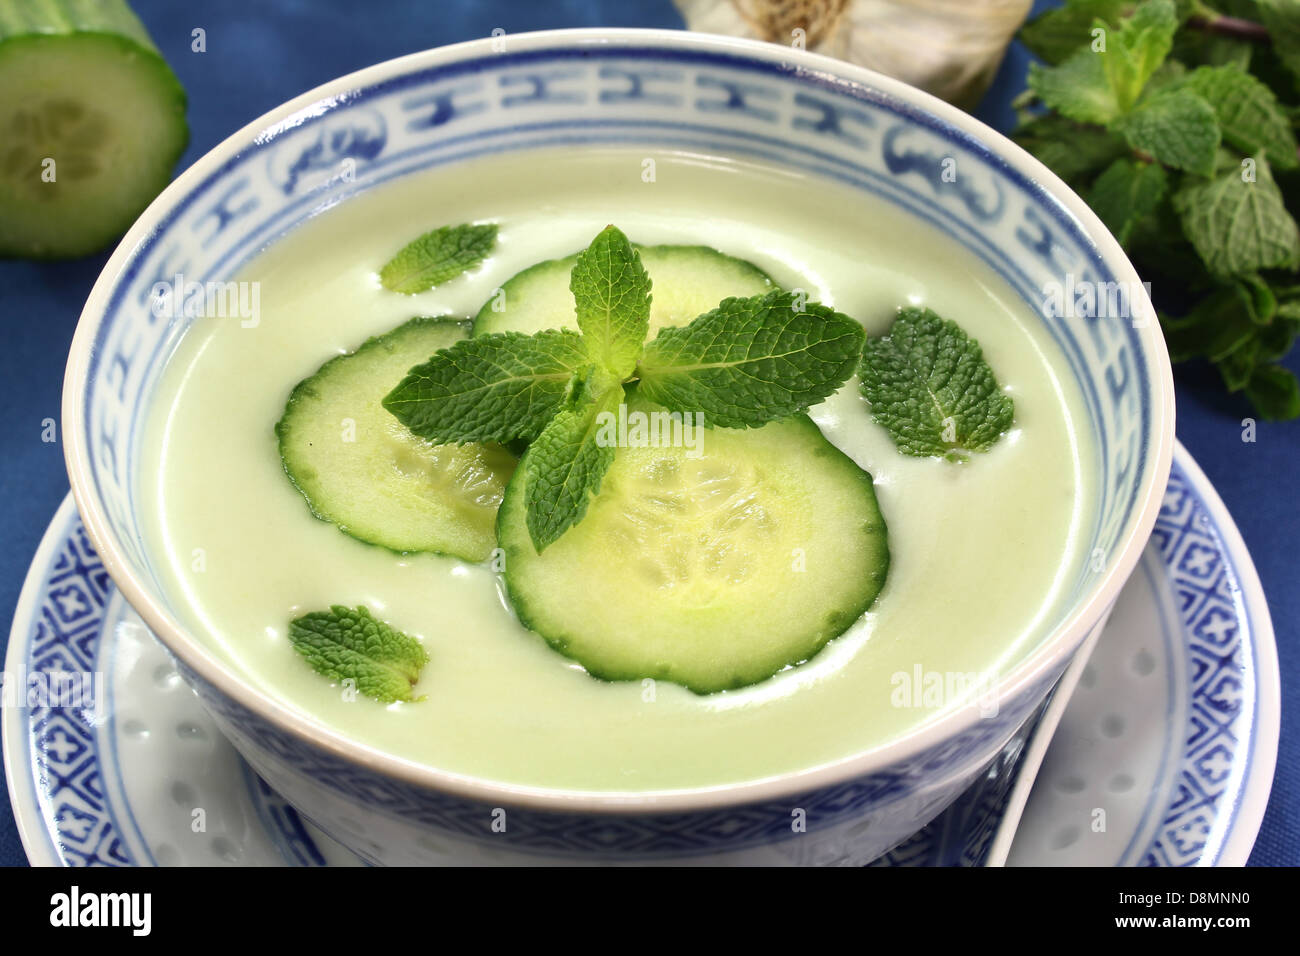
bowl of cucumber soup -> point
(618, 445)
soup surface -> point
(981, 553)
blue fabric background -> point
(261, 53)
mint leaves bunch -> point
(1176, 122)
(745, 363)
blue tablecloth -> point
(261, 53)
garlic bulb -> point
(951, 48)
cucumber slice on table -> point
(92, 120)
(363, 470)
(687, 281)
(712, 572)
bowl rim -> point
(1052, 653)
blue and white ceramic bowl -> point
(665, 91)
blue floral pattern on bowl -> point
(660, 95)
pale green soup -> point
(981, 553)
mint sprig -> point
(1126, 193)
(437, 257)
(1177, 121)
(348, 644)
(1282, 20)
(743, 364)
(931, 389)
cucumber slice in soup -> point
(713, 572)
(92, 120)
(687, 281)
(363, 470)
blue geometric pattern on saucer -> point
(62, 703)
(1217, 634)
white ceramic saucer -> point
(1189, 650)
(1171, 732)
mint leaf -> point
(348, 644)
(1057, 33)
(494, 388)
(1142, 41)
(1099, 86)
(1249, 114)
(564, 466)
(1198, 47)
(1241, 327)
(1079, 88)
(612, 293)
(1169, 75)
(1218, 325)
(1177, 128)
(1157, 244)
(1238, 366)
(1258, 297)
(1238, 226)
(1275, 392)
(1126, 193)
(750, 361)
(1069, 149)
(1282, 18)
(437, 257)
(931, 389)
(1276, 339)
